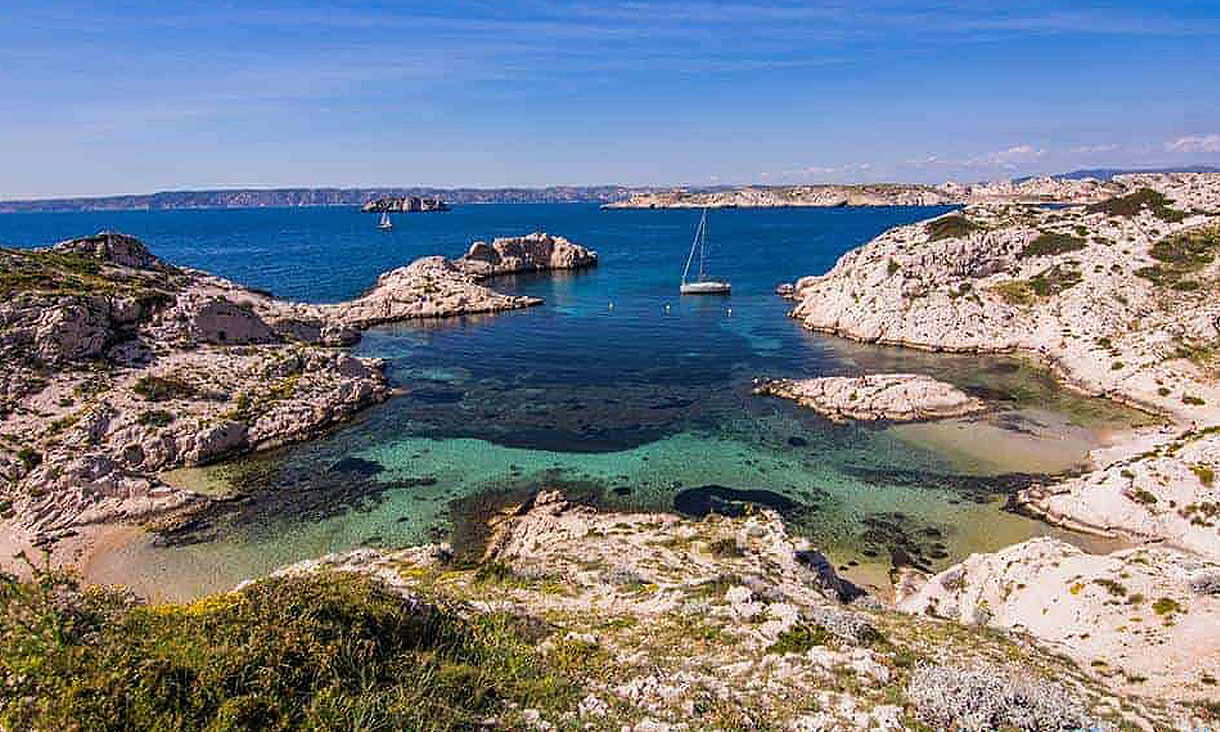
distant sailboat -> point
(385, 221)
(701, 286)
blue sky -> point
(126, 97)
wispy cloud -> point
(1094, 149)
(1195, 144)
(1007, 158)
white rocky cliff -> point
(115, 366)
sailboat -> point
(701, 286)
(385, 221)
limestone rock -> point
(1130, 617)
(896, 397)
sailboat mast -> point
(702, 245)
(694, 245)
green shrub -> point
(155, 418)
(1205, 474)
(1192, 400)
(1181, 255)
(305, 653)
(1132, 203)
(1144, 497)
(162, 388)
(1015, 292)
(29, 457)
(800, 638)
(1054, 280)
(725, 549)
(954, 226)
(1049, 244)
(1165, 606)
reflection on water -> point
(617, 386)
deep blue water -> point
(616, 386)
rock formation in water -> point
(895, 397)
(404, 204)
(115, 366)
(732, 622)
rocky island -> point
(116, 366)
(893, 397)
(404, 204)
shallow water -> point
(616, 386)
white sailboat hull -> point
(705, 288)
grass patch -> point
(1144, 497)
(955, 226)
(1054, 280)
(308, 653)
(58, 273)
(1180, 256)
(1114, 588)
(1015, 292)
(1165, 606)
(29, 457)
(725, 549)
(162, 388)
(1132, 203)
(800, 638)
(1049, 244)
(155, 418)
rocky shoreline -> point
(116, 366)
(1117, 298)
(1036, 190)
(697, 623)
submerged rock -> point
(731, 501)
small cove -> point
(616, 386)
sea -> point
(616, 390)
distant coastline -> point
(1070, 187)
(292, 197)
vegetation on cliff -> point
(311, 653)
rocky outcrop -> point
(1161, 490)
(115, 366)
(431, 287)
(713, 622)
(537, 251)
(820, 196)
(1117, 298)
(404, 204)
(438, 287)
(1039, 189)
(1142, 619)
(895, 397)
(1108, 295)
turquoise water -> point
(616, 388)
